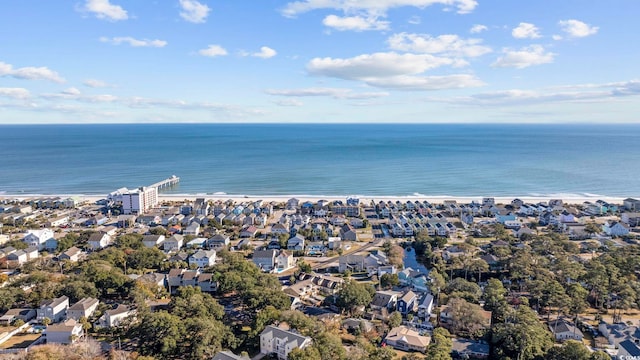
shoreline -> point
(364, 199)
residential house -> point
(249, 231)
(426, 307)
(279, 229)
(274, 340)
(631, 218)
(405, 339)
(197, 243)
(614, 228)
(284, 261)
(631, 204)
(327, 285)
(58, 221)
(67, 332)
(385, 300)
(83, 308)
(469, 349)
(296, 243)
(203, 258)
(334, 243)
(99, 241)
(360, 326)
(115, 316)
(265, 259)
(192, 229)
(218, 241)
(174, 243)
(55, 310)
(38, 238)
(126, 221)
(353, 263)
(619, 332)
(316, 248)
(227, 355)
(17, 258)
(72, 254)
(565, 330)
(628, 350)
(408, 303)
(347, 232)
(152, 240)
(201, 206)
(12, 315)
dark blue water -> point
(363, 159)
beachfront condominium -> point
(140, 200)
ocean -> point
(318, 159)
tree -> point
(592, 228)
(46, 321)
(571, 349)
(479, 266)
(524, 337)
(440, 347)
(395, 319)
(388, 281)
(353, 294)
(304, 267)
(465, 316)
(67, 241)
(494, 294)
(460, 287)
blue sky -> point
(113, 61)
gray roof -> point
(630, 347)
(290, 337)
(227, 355)
(84, 304)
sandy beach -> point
(566, 198)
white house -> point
(274, 340)
(64, 333)
(83, 308)
(265, 259)
(564, 330)
(284, 261)
(153, 240)
(174, 243)
(403, 338)
(192, 229)
(55, 309)
(38, 238)
(203, 258)
(114, 317)
(99, 240)
(72, 254)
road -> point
(366, 247)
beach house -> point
(55, 309)
(281, 342)
(38, 238)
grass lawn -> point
(20, 341)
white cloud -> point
(354, 23)
(30, 73)
(526, 31)
(71, 91)
(103, 9)
(376, 65)
(478, 28)
(372, 7)
(525, 57)
(265, 53)
(450, 45)
(134, 42)
(289, 102)
(392, 70)
(213, 51)
(336, 93)
(15, 93)
(93, 83)
(414, 20)
(571, 93)
(194, 11)
(425, 83)
(577, 29)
